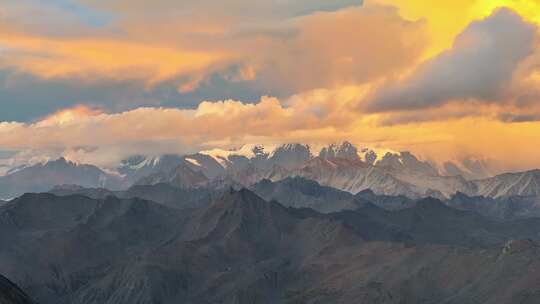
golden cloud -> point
(91, 58)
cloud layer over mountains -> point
(94, 80)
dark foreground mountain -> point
(242, 249)
(11, 293)
(163, 193)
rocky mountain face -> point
(240, 248)
(42, 177)
(12, 294)
(345, 167)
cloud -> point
(91, 58)
(517, 118)
(479, 67)
(172, 59)
(315, 117)
(350, 46)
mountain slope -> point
(58, 244)
(11, 293)
(510, 184)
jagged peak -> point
(344, 149)
(292, 148)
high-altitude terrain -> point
(340, 166)
(249, 226)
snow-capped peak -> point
(249, 151)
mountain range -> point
(341, 166)
(345, 226)
(240, 248)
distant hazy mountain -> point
(242, 249)
(299, 192)
(469, 168)
(42, 177)
(12, 294)
(181, 176)
(303, 193)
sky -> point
(96, 81)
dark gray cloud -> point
(242, 9)
(479, 66)
(25, 98)
(517, 118)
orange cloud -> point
(88, 58)
(351, 46)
